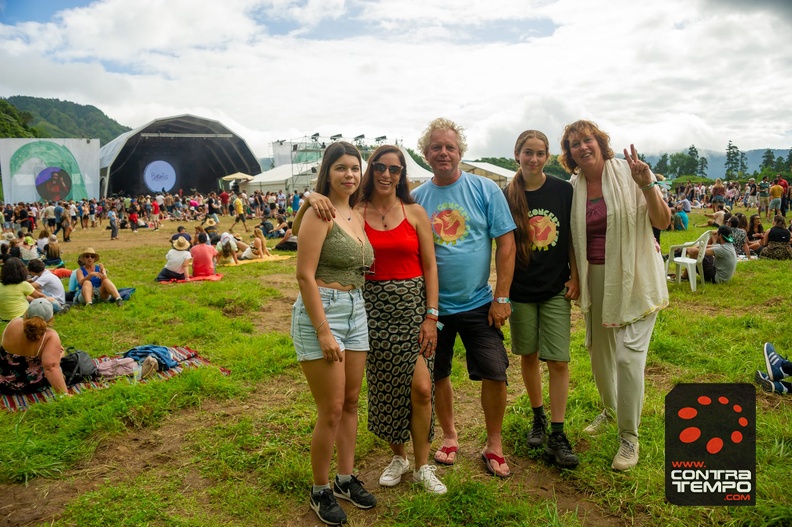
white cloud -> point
(663, 74)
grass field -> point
(203, 449)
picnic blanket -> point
(209, 278)
(184, 357)
(271, 258)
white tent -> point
(290, 177)
(501, 176)
(284, 177)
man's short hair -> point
(202, 237)
(36, 266)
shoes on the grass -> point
(560, 451)
(600, 424)
(779, 387)
(393, 473)
(427, 477)
(353, 491)
(327, 508)
(538, 433)
(627, 456)
(774, 363)
(119, 302)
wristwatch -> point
(502, 300)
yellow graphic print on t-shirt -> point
(543, 229)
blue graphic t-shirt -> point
(465, 217)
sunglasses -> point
(394, 170)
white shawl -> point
(635, 283)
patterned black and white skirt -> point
(395, 310)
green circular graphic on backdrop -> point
(51, 155)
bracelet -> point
(432, 311)
(432, 317)
(316, 331)
(650, 185)
(502, 300)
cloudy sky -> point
(663, 74)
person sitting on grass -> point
(48, 284)
(289, 241)
(52, 252)
(258, 247)
(93, 285)
(15, 290)
(778, 368)
(204, 257)
(718, 218)
(230, 249)
(775, 243)
(720, 260)
(740, 237)
(178, 263)
(31, 351)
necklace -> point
(383, 214)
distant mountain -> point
(56, 118)
(716, 161)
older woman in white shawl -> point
(622, 281)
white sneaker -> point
(392, 474)
(627, 456)
(426, 475)
(599, 424)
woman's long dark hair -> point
(332, 154)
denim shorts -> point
(346, 317)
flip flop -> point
(447, 450)
(486, 457)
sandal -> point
(486, 457)
(447, 450)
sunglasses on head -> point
(394, 170)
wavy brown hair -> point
(583, 127)
(518, 203)
(34, 328)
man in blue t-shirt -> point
(467, 212)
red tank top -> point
(396, 253)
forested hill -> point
(56, 118)
(13, 122)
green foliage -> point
(14, 123)
(685, 164)
(56, 118)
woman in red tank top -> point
(401, 304)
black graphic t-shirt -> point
(549, 209)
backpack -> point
(77, 366)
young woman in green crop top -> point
(329, 329)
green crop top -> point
(342, 257)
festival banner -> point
(49, 169)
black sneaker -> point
(327, 508)
(538, 433)
(560, 451)
(353, 491)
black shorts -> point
(485, 353)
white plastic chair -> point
(691, 264)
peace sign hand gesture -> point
(640, 171)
